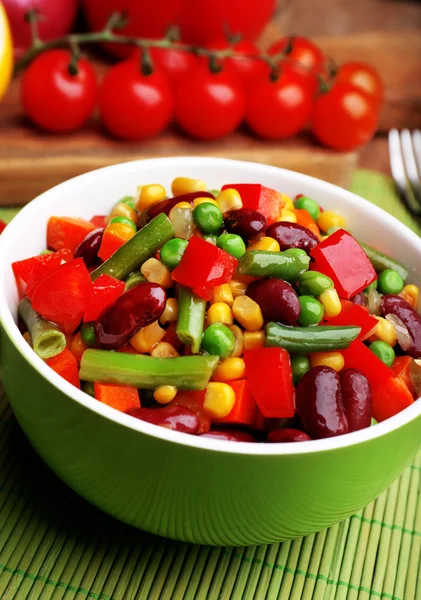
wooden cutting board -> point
(32, 162)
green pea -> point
(295, 252)
(300, 364)
(309, 205)
(311, 312)
(87, 331)
(124, 221)
(212, 239)
(88, 388)
(390, 282)
(214, 192)
(335, 228)
(383, 351)
(45, 252)
(231, 243)
(172, 252)
(133, 280)
(373, 421)
(208, 217)
(372, 286)
(218, 339)
(313, 283)
(128, 200)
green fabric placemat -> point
(54, 545)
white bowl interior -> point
(96, 192)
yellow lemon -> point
(6, 54)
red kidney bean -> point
(88, 248)
(248, 224)
(356, 399)
(277, 300)
(319, 403)
(229, 435)
(287, 435)
(138, 307)
(396, 305)
(166, 205)
(176, 418)
(292, 235)
(359, 299)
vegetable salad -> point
(237, 314)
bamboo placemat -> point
(54, 545)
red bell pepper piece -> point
(255, 196)
(171, 336)
(401, 369)
(120, 397)
(390, 394)
(341, 258)
(99, 221)
(2, 226)
(354, 314)
(269, 373)
(244, 411)
(105, 291)
(67, 232)
(203, 266)
(62, 296)
(193, 400)
(65, 364)
(31, 270)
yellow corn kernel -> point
(156, 272)
(164, 350)
(170, 313)
(247, 312)
(331, 302)
(411, 294)
(198, 201)
(229, 199)
(230, 369)
(287, 215)
(124, 232)
(220, 313)
(385, 331)
(219, 400)
(335, 360)
(183, 205)
(145, 339)
(121, 209)
(328, 219)
(222, 293)
(150, 195)
(185, 185)
(165, 393)
(254, 339)
(266, 243)
(239, 344)
(288, 203)
(27, 338)
(238, 288)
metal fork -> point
(405, 164)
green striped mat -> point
(53, 545)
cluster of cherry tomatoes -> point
(209, 99)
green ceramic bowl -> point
(175, 485)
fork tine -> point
(410, 164)
(398, 172)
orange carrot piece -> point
(306, 220)
(110, 243)
(120, 397)
(67, 232)
(65, 364)
(401, 369)
(390, 398)
(244, 411)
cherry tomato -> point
(135, 106)
(55, 99)
(364, 76)
(344, 118)
(247, 69)
(176, 63)
(210, 105)
(281, 108)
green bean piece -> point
(138, 249)
(47, 339)
(313, 283)
(133, 280)
(88, 388)
(381, 261)
(304, 340)
(191, 317)
(273, 264)
(390, 282)
(147, 372)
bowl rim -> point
(12, 231)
